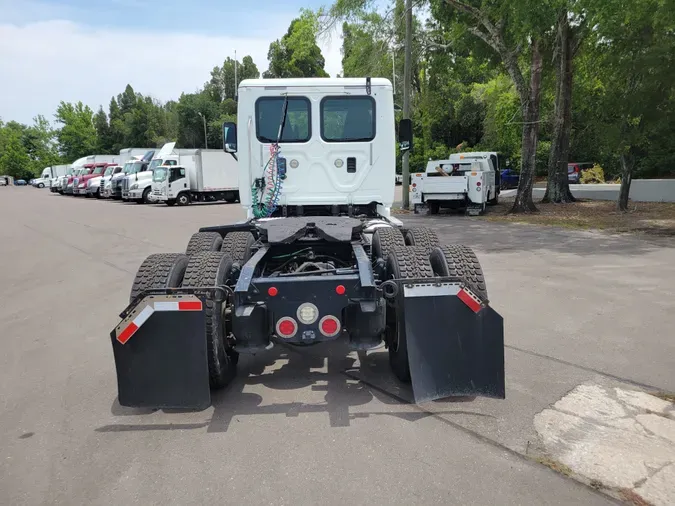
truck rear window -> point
(268, 119)
(348, 119)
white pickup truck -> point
(466, 181)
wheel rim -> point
(182, 199)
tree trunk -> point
(530, 104)
(558, 188)
(627, 163)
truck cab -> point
(104, 182)
(44, 180)
(73, 180)
(137, 180)
(83, 180)
(92, 183)
(464, 181)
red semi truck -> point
(80, 188)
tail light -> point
(414, 185)
(478, 183)
(286, 327)
(329, 326)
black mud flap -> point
(455, 343)
(160, 354)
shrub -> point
(594, 175)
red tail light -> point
(478, 183)
(272, 291)
(286, 327)
(329, 326)
(340, 289)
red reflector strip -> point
(127, 333)
(140, 319)
(190, 305)
(467, 299)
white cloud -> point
(45, 62)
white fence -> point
(641, 190)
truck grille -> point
(102, 185)
(125, 184)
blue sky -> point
(52, 50)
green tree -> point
(633, 44)
(222, 85)
(77, 135)
(14, 161)
(297, 54)
(104, 133)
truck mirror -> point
(229, 137)
(405, 135)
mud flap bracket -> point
(160, 354)
(455, 342)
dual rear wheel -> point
(417, 253)
(207, 262)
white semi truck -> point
(468, 181)
(49, 174)
(202, 175)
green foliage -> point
(77, 135)
(14, 160)
(297, 54)
(222, 86)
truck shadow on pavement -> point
(330, 383)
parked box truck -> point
(208, 175)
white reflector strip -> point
(166, 306)
(143, 316)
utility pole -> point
(407, 81)
(235, 75)
(206, 139)
(393, 70)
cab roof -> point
(310, 82)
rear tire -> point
(459, 261)
(385, 239)
(161, 270)
(402, 263)
(203, 241)
(212, 268)
(238, 245)
(421, 236)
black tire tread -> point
(411, 262)
(462, 262)
(203, 270)
(203, 241)
(422, 236)
(385, 239)
(159, 270)
(238, 245)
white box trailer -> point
(127, 154)
(206, 175)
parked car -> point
(20, 182)
(509, 179)
(574, 170)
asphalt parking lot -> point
(586, 314)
